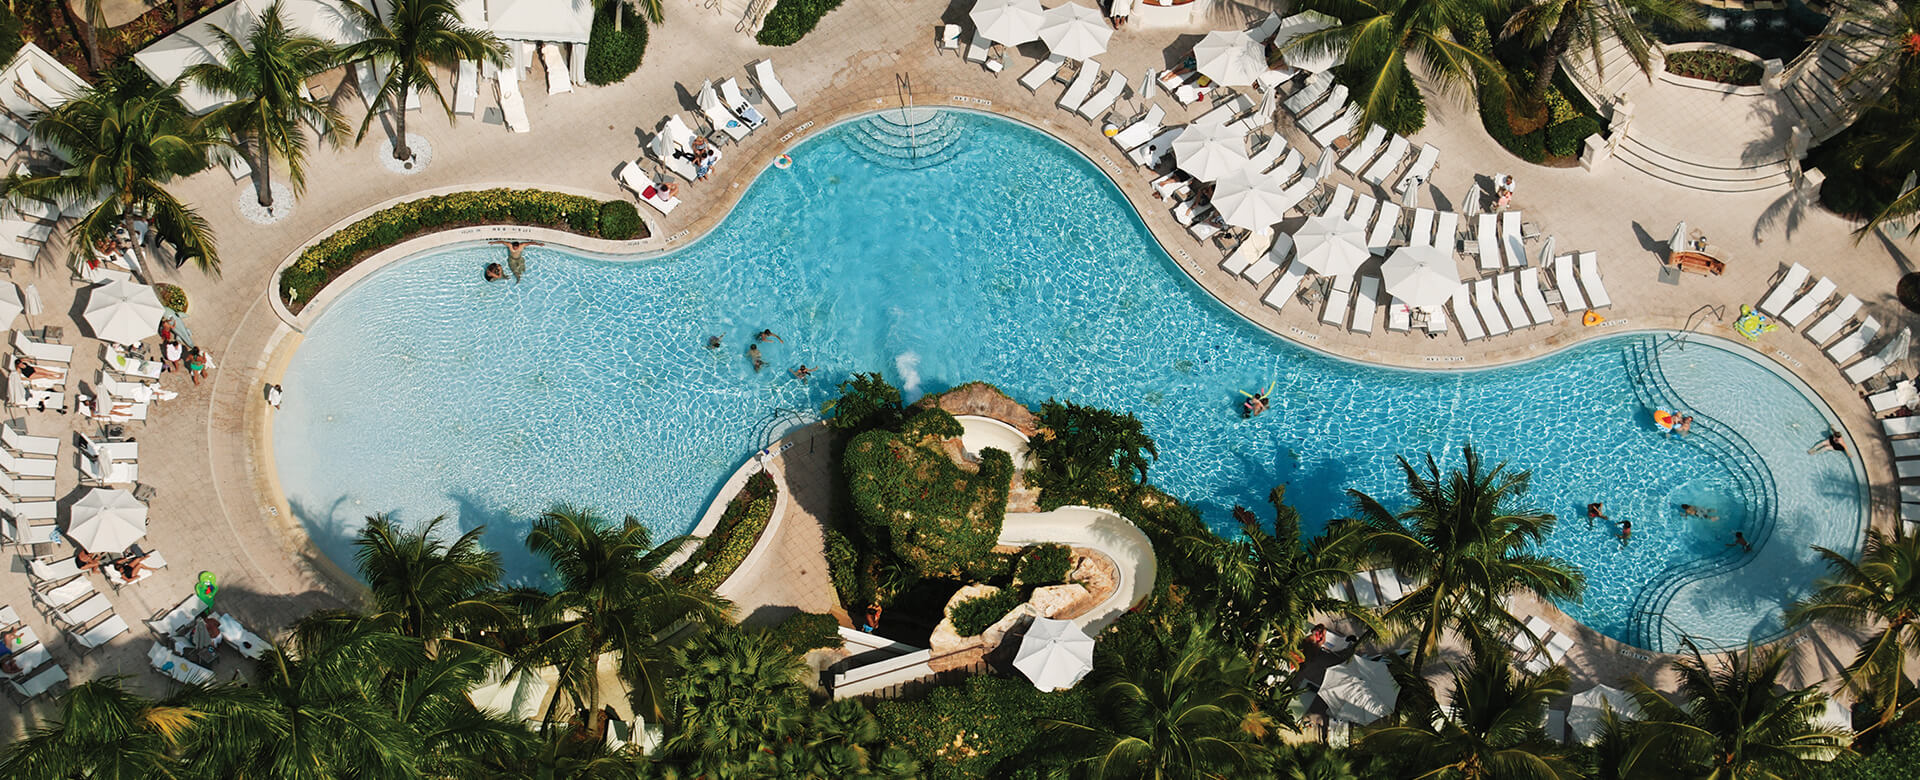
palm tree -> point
(1881, 592)
(609, 600)
(102, 731)
(738, 695)
(1467, 546)
(455, 738)
(1888, 32)
(417, 37)
(435, 588)
(264, 75)
(1193, 714)
(1556, 27)
(121, 140)
(1731, 721)
(1490, 729)
(1377, 39)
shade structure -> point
(1678, 242)
(1229, 57)
(107, 520)
(1359, 691)
(1250, 199)
(1331, 246)
(1008, 22)
(555, 21)
(123, 312)
(1585, 716)
(1208, 150)
(1074, 31)
(1421, 276)
(1055, 654)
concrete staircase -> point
(1811, 85)
(1621, 73)
(1710, 175)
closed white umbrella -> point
(1210, 150)
(1054, 654)
(1009, 22)
(1896, 350)
(1421, 276)
(1678, 243)
(10, 304)
(1359, 691)
(1250, 199)
(107, 520)
(1075, 31)
(1229, 57)
(123, 312)
(1546, 252)
(1585, 715)
(1331, 246)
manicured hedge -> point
(791, 20)
(1045, 564)
(807, 631)
(1715, 66)
(975, 615)
(613, 55)
(733, 537)
(333, 255)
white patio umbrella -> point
(1678, 243)
(10, 305)
(1230, 57)
(1331, 246)
(1421, 276)
(1055, 654)
(1074, 31)
(1250, 199)
(1585, 715)
(1009, 22)
(123, 312)
(1210, 150)
(1359, 691)
(107, 520)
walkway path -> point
(791, 575)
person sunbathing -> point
(30, 371)
(131, 567)
(88, 561)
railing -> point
(903, 89)
(1694, 321)
(750, 21)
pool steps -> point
(906, 138)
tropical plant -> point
(608, 600)
(1732, 720)
(1077, 442)
(1555, 27)
(415, 38)
(1192, 714)
(264, 74)
(102, 730)
(1489, 730)
(1467, 546)
(1881, 594)
(123, 139)
(1888, 32)
(1379, 39)
(436, 589)
(1881, 147)
(736, 692)
(866, 401)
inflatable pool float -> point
(1664, 418)
(1752, 323)
(1592, 318)
(783, 162)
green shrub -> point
(1715, 66)
(733, 537)
(171, 296)
(807, 631)
(10, 40)
(613, 55)
(1568, 138)
(790, 20)
(618, 220)
(937, 518)
(975, 615)
(1405, 116)
(936, 423)
(984, 727)
(866, 401)
(1531, 147)
(843, 567)
(1045, 564)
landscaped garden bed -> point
(1716, 66)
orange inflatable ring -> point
(1592, 318)
(1663, 418)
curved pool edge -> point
(756, 162)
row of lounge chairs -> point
(1792, 303)
(563, 71)
(1539, 646)
(37, 674)
(732, 115)
(28, 509)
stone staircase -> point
(906, 138)
(1614, 73)
(1693, 171)
(1812, 83)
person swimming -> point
(767, 334)
(1694, 511)
(1626, 531)
(1834, 441)
(1740, 541)
(516, 255)
(802, 372)
(494, 272)
(1255, 406)
(713, 342)
(753, 351)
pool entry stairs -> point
(907, 139)
(1752, 479)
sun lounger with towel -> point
(1253, 247)
(1149, 154)
(39, 684)
(1535, 300)
(1563, 279)
(148, 566)
(177, 667)
(634, 178)
(1082, 86)
(240, 638)
(1590, 282)
(1489, 309)
(1784, 292)
(32, 656)
(717, 115)
(1109, 93)
(558, 78)
(66, 593)
(1278, 249)
(513, 108)
(1399, 315)
(740, 105)
(53, 571)
(1830, 325)
(1801, 309)
(770, 87)
(179, 617)
(1463, 313)
(672, 145)
(466, 90)
(1141, 129)
(1042, 72)
(1363, 152)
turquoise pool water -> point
(424, 390)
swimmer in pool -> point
(713, 342)
(1834, 441)
(1595, 511)
(802, 372)
(1626, 531)
(753, 351)
(1740, 541)
(1694, 511)
(768, 335)
(516, 257)
(494, 272)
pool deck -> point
(218, 508)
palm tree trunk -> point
(262, 173)
(181, 13)
(1557, 44)
(400, 150)
(89, 41)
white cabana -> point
(123, 312)
(1250, 199)
(1585, 715)
(1075, 31)
(1210, 150)
(1008, 22)
(1359, 691)
(564, 21)
(1421, 276)
(1229, 57)
(107, 520)
(1054, 654)
(1331, 246)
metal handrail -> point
(903, 89)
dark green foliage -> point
(936, 423)
(1715, 66)
(807, 631)
(1080, 443)
(1894, 755)
(843, 563)
(936, 517)
(974, 615)
(1567, 138)
(171, 296)
(619, 220)
(994, 718)
(790, 20)
(10, 40)
(613, 55)
(1569, 118)
(1045, 564)
(866, 401)
(733, 537)
(1405, 116)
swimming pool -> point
(424, 390)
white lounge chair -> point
(1902, 448)
(1323, 113)
(1385, 223)
(1847, 348)
(1486, 236)
(1462, 306)
(119, 363)
(466, 90)
(978, 48)
(26, 488)
(1391, 589)
(1367, 305)
(39, 89)
(1042, 72)
(577, 59)
(1149, 154)
(1535, 300)
(1284, 289)
(1421, 233)
(240, 638)
(1364, 592)
(1141, 129)
(1399, 315)
(99, 635)
(173, 665)
(1337, 128)
(675, 136)
(26, 467)
(1507, 293)
(32, 656)
(1082, 86)
(1901, 426)
(1830, 325)
(740, 105)
(558, 78)
(53, 571)
(634, 178)
(1339, 300)
(770, 87)
(1338, 204)
(182, 614)
(1362, 153)
(66, 593)
(1590, 282)
(1096, 106)
(1873, 364)
(717, 115)
(41, 351)
(85, 611)
(1511, 243)
(1784, 292)
(1421, 169)
(513, 108)
(1446, 231)
(40, 683)
(1803, 308)
(1309, 93)
(1363, 210)
(29, 510)
(1253, 247)
(1388, 161)
(148, 566)
(1563, 279)
(1489, 309)
(949, 37)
